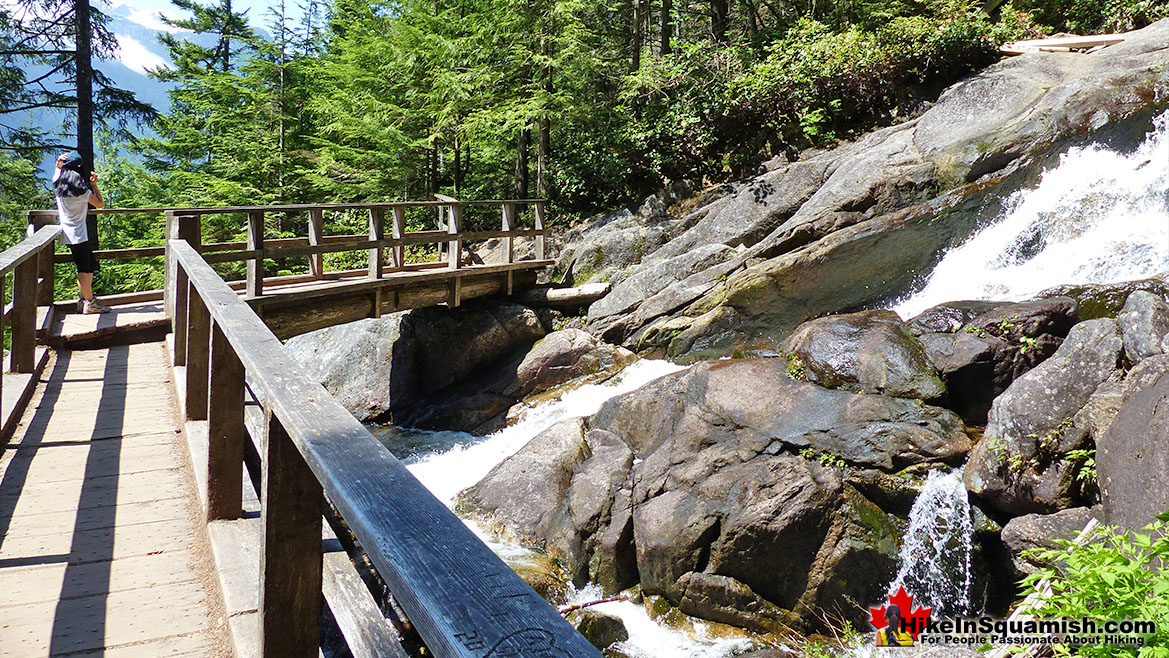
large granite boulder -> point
(606, 244)
(1132, 458)
(1021, 465)
(867, 351)
(722, 488)
(1042, 531)
(1105, 300)
(384, 366)
(1144, 323)
(982, 347)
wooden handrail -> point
(28, 261)
(463, 600)
(27, 248)
(292, 207)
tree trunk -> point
(521, 164)
(752, 13)
(638, 8)
(225, 38)
(667, 25)
(84, 64)
(719, 18)
(544, 137)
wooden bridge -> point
(175, 485)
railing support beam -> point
(198, 342)
(225, 430)
(255, 276)
(24, 317)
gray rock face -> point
(1019, 466)
(720, 488)
(980, 358)
(868, 351)
(859, 223)
(1032, 531)
(608, 243)
(1144, 323)
(388, 364)
(564, 355)
(1105, 300)
(600, 629)
(949, 317)
(655, 277)
(1131, 459)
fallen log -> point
(1060, 44)
(564, 297)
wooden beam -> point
(22, 357)
(397, 233)
(255, 280)
(456, 245)
(225, 430)
(541, 209)
(290, 553)
(179, 316)
(508, 226)
(47, 277)
(316, 230)
(27, 248)
(376, 233)
(178, 227)
(198, 342)
(1060, 44)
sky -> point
(145, 12)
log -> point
(564, 297)
(1060, 44)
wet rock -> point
(1131, 456)
(562, 356)
(1144, 374)
(541, 573)
(602, 630)
(652, 279)
(992, 349)
(1144, 323)
(1019, 466)
(1041, 531)
(949, 317)
(868, 351)
(1105, 300)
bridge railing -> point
(386, 240)
(30, 263)
(462, 599)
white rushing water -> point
(448, 462)
(1097, 217)
(935, 554)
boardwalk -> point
(100, 553)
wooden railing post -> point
(541, 207)
(376, 232)
(225, 430)
(179, 317)
(316, 231)
(290, 554)
(24, 316)
(456, 252)
(3, 281)
(397, 231)
(178, 227)
(46, 277)
(509, 242)
(198, 342)
(255, 282)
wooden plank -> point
(290, 555)
(459, 595)
(117, 254)
(198, 343)
(509, 225)
(397, 233)
(179, 316)
(24, 317)
(178, 227)
(255, 274)
(225, 422)
(1063, 43)
(541, 211)
(455, 248)
(316, 229)
(46, 277)
(376, 233)
(42, 583)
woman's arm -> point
(95, 199)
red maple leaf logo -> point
(913, 622)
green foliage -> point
(1117, 575)
(1096, 16)
(1085, 460)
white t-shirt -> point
(71, 214)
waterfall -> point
(935, 554)
(1099, 216)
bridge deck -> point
(100, 552)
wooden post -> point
(24, 317)
(509, 242)
(198, 341)
(46, 277)
(290, 554)
(376, 232)
(178, 227)
(540, 210)
(316, 233)
(398, 230)
(225, 430)
(255, 279)
(456, 245)
(3, 280)
(179, 316)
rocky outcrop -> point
(1042, 531)
(852, 226)
(868, 351)
(721, 488)
(982, 347)
(1144, 323)
(1105, 300)
(606, 244)
(1021, 465)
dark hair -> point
(893, 616)
(70, 182)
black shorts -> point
(83, 257)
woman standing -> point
(75, 195)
